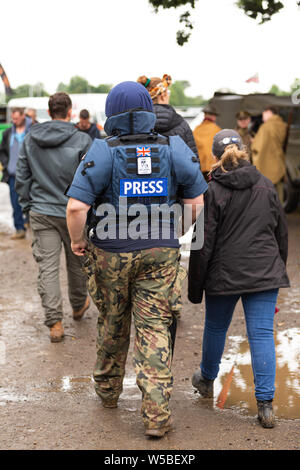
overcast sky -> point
(108, 41)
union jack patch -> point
(143, 152)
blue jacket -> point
(93, 177)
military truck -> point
(228, 105)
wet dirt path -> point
(47, 400)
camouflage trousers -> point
(147, 285)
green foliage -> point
(26, 90)
(62, 87)
(171, 3)
(261, 9)
(295, 85)
(179, 98)
(277, 91)
(182, 35)
(104, 88)
(79, 84)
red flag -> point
(254, 79)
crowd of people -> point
(65, 182)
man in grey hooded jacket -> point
(48, 160)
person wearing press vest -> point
(244, 256)
(132, 268)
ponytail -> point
(231, 157)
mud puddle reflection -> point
(234, 387)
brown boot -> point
(18, 235)
(161, 431)
(56, 332)
(77, 315)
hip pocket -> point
(175, 299)
(36, 248)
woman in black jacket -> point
(244, 255)
(168, 122)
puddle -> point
(289, 300)
(71, 384)
(7, 396)
(234, 387)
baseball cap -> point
(224, 138)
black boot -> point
(266, 415)
(204, 386)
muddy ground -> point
(47, 400)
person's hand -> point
(78, 248)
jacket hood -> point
(242, 177)
(52, 133)
(130, 123)
(166, 117)
(126, 96)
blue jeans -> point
(259, 309)
(17, 211)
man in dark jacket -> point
(85, 125)
(46, 166)
(9, 154)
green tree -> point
(104, 88)
(256, 9)
(179, 98)
(79, 84)
(26, 90)
(277, 91)
(182, 35)
(62, 87)
(261, 9)
(295, 85)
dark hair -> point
(59, 105)
(18, 110)
(84, 114)
(272, 109)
